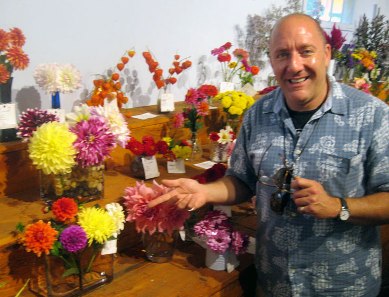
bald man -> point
(325, 147)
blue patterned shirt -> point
(344, 146)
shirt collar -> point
(335, 100)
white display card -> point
(176, 166)
(226, 86)
(8, 116)
(150, 166)
(167, 102)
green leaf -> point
(20, 227)
(71, 271)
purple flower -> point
(219, 241)
(31, 119)
(73, 239)
(239, 242)
(94, 141)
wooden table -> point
(185, 275)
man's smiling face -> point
(300, 57)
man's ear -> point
(327, 53)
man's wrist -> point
(344, 213)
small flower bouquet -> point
(144, 165)
(220, 238)
(157, 224)
(175, 154)
(57, 78)
(72, 243)
(241, 67)
(12, 56)
(109, 87)
(71, 155)
(234, 104)
(221, 141)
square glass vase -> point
(82, 183)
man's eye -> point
(282, 55)
(307, 52)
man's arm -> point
(189, 194)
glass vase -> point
(197, 151)
(55, 101)
(219, 152)
(84, 183)
(136, 168)
(48, 277)
(159, 246)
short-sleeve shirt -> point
(345, 147)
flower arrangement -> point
(54, 77)
(234, 103)
(110, 86)
(335, 39)
(197, 101)
(218, 233)
(175, 150)
(178, 66)
(31, 119)
(224, 136)
(12, 56)
(72, 232)
(165, 217)
(71, 155)
(147, 146)
(241, 67)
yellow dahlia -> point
(51, 148)
(97, 223)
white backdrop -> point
(93, 34)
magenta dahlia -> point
(94, 141)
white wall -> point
(93, 34)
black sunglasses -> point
(280, 180)
(279, 199)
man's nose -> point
(296, 62)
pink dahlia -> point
(163, 217)
(94, 141)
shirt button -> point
(298, 152)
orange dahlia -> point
(64, 209)
(18, 58)
(17, 37)
(39, 238)
(4, 40)
(4, 74)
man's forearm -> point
(228, 190)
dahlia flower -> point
(64, 209)
(163, 217)
(81, 113)
(73, 239)
(94, 141)
(39, 238)
(51, 148)
(57, 78)
(97, 223)
(115, 121)
(219, 235)
(115, 210)
(31, 119)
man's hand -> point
(311, 198)
(187, 193)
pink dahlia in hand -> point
(163, 217)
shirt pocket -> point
(341, 174)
